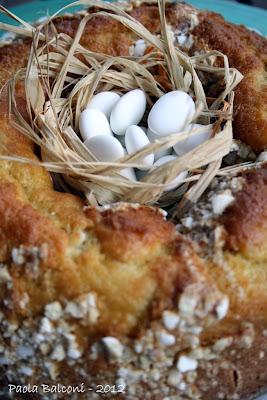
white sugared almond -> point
(128, 173)
(129, 110)
(203, 133)
(93, 122)
(136, 139)
(178, 180)
(171, 113)
(105, 147)
(104, 101)
(160, 153)
(108, 148)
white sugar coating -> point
(139, 48)
(222, 308)
(164, 160)
(174, 378)
(171, 113)
(53, 311)
(182, 386)
(160, 153)
(74, 353)
(186, 364)
(128, 173)
(93, 122)
(104, 101)
(58, 353)
(170, 319)
(221, 201)
(138, 347)
(193, 140)
(129, 110)
(136, 139)
(46, 326)
(114, 346)
(105, 147)
(166, 339)
(178, 180)
(24, 370)
(24, 351)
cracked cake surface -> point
(119, 295)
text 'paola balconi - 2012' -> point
(59, 388)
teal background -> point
(252, 17)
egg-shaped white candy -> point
(178, 180)
(160, 153)
(171, 113)
(128, 173)
(105, 147)
(192, 141)
(136, 139)
(128, 111)
(93, 122)
(108, 148)
(104, 101)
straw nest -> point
(62, 76)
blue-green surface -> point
(238, 13)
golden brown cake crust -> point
(72, 276)
(246, 51)
(247, 225)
